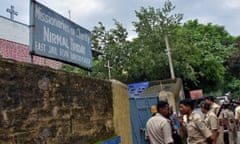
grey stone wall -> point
(41, 105)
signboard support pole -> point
(31, 58)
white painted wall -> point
(14, 31)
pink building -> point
(14, 44)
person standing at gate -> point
(158, 127)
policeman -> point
(215, 108)
(237, 116)
(158, 127)
(230, 123)
(237, 119)
(211, 120)
(195, 129)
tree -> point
(199, 51)
(113, 45)
(153, 26)
(204, 51)
(232, 78)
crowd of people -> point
(190, 127)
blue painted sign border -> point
(56, 37)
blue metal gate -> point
(140, 108)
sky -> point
(87, 13)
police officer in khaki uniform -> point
(237, 119)
(237, 116)
(195, 129)
(211, 121)
(230, 123)
(158, 127)
(215, 108)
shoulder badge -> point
(200, 125)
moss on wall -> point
(39, 104)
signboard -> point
(196, 94)
(137, 89)
(56, 37)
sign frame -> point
(56, 37)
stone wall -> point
(42, 105)
(121, 112)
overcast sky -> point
(87, 13)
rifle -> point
(221, 107)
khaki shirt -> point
(158, 130)
(198, 132)
(211, 121)
(215, 108)
(229, 116)
(237, 113)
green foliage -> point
(114, 48)
(73, 69)
(234, 87)
(204, 50)
(234, 60)
(205, 56)
(149, 55)
(157, 21)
